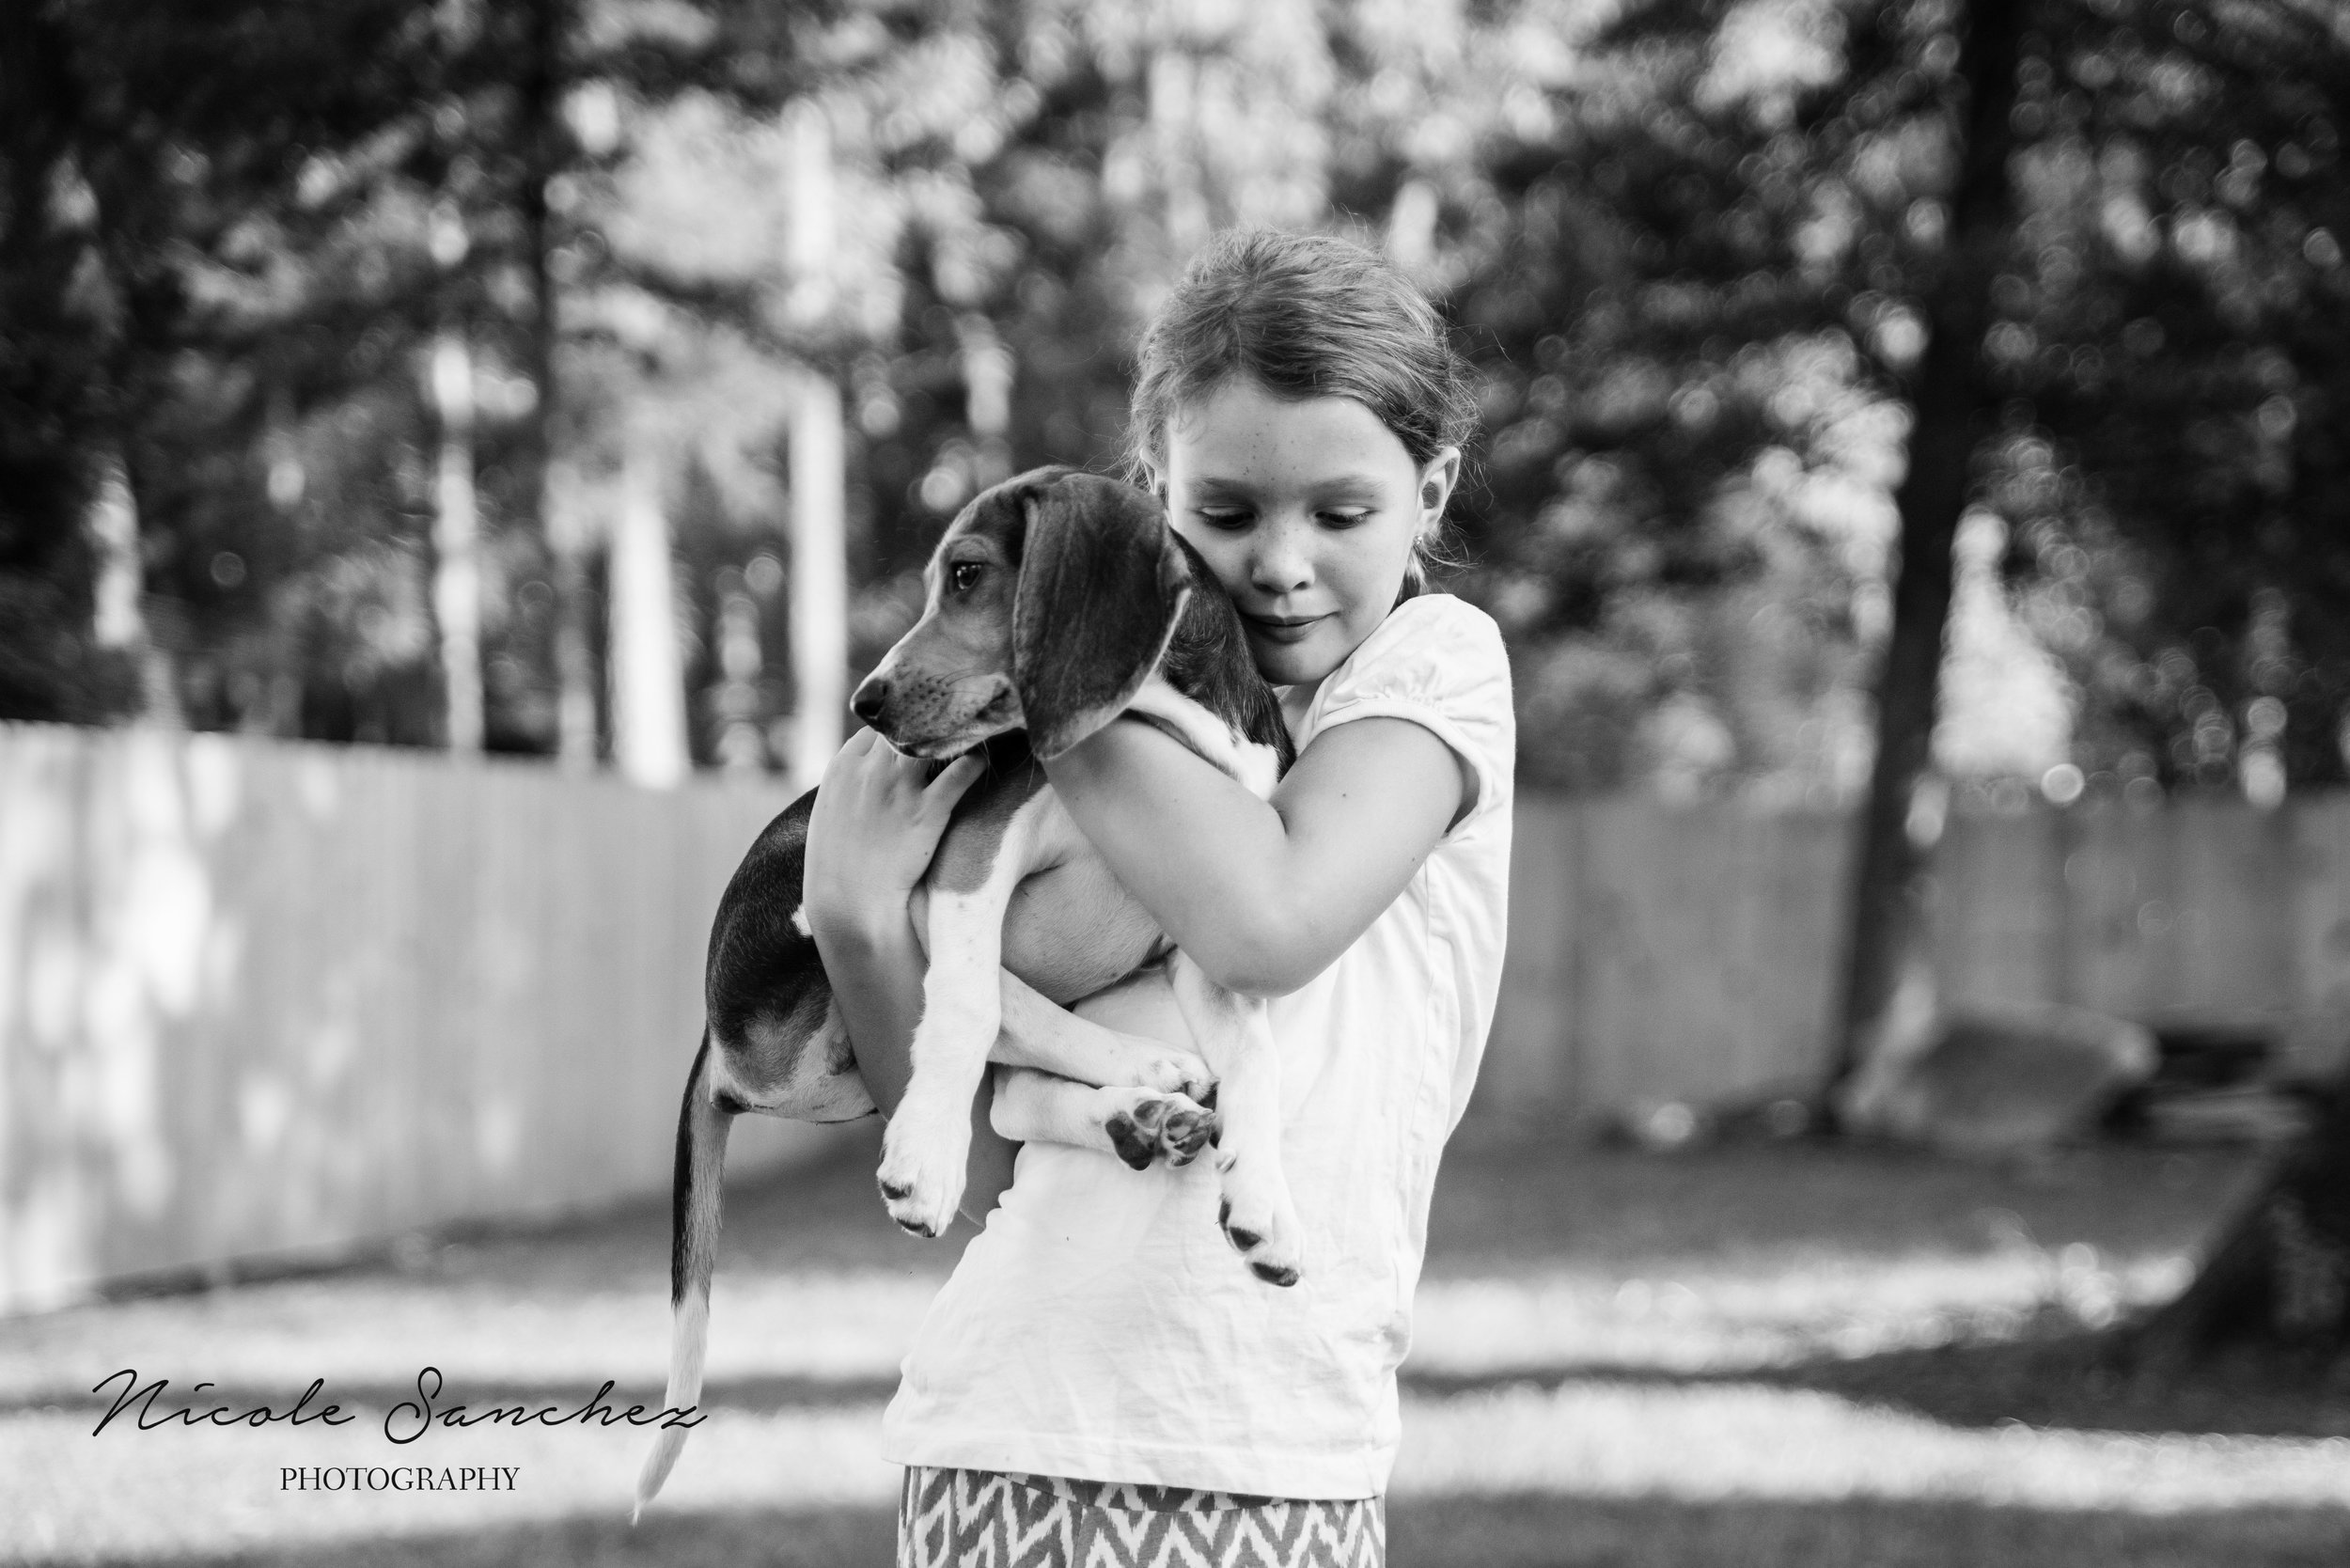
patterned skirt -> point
(987, 1519)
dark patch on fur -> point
(759, 964)
(1100, 587)
(1208, 661)
(682, 1179)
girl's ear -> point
(1437, 477)
(1101, 583)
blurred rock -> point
(2007, 1081)
(2250, 1114)
(1664, 1126)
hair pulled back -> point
(1304, 315)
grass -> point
(1749, 1355)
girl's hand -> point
(875, 826)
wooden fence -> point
(1691, 953)
(265, 998)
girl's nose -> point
(1280, 563)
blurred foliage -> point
(1681, 239)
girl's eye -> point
(1342, 519)
(1222, 517)
(963, 576)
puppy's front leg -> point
(1235, 1033)
(1131, 1121)
(1041, 1033)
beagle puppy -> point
(1057, 602)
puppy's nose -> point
(872, 695)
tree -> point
(1955, 408)
(134, 141)
(2189, 357)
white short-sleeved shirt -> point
(1100, 1327)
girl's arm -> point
(870, 837)
(1264, 895)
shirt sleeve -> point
(1438, 661)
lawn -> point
(1753, 1354)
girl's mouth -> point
(1284, 627)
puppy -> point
(1057, 602)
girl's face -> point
(1306, 511)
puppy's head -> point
(1050, 600)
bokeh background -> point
(456, 456)
(266, 267)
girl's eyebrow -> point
(1343, 487)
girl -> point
(1102, 1373)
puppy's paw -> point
(1262, 1224)
(1134, 1127)
(1181, 1073)
(1145, 1124)
(922, 1170)
(1189, 1128)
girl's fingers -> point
(852, 752)
(943, 791)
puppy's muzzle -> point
(934, 716)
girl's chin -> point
(1298, 664)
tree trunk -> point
(819, 576)
(648, 739)
(118, 605)
(817, 476)
(559, 523)
(2280, 1276)
(455, 545)
(1953, 406)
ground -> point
(1758, 1353)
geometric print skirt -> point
(950, 1518)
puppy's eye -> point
(964, 575)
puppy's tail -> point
(693, 1203)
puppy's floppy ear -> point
(1101, 586)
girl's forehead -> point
(1240, 427)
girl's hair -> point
(1304, 315)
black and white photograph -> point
(1175, 783)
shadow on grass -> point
(2081, 1381)
(2089, 1381)
(1510, 1531)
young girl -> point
(1101, 1375)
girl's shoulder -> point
(1432, 646)
(1439, 661)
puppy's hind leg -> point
(1235, 1035)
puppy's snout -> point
(872, 695)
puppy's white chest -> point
(1258, 767)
